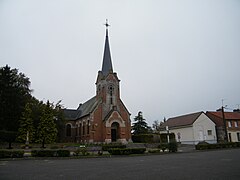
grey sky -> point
(172, 56)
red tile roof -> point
(217, 116)
(184, 120)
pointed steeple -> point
(107, 62)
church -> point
(104, 117)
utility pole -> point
(224, 122)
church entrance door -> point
(114, 131)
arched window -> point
(83, 131)
(68, 130)
(88, 126)
(111, 91)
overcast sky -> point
(173, 57)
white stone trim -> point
(119, 121)
(108, 141)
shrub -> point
(119, 151)
(81, 150)
(137, 150)
(126, 151)
(43, 153)
(154, 151)
(11, 154)
(173, 146)
(163, 146)
(204, 146)
(106, 147)
(63, 153)
(142, 138)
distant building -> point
(191, 128)
(104, 117)
(232, 128)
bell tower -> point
(107, 85)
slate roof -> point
(184, 120)
(70, 114)
(216, 116)
(82, 110)
(107, 62)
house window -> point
(229, 124)
(238, 136)
(209, 132)
(236, 124)
(68, 130)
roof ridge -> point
(200, 112)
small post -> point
(167, 134)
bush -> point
(126, 151)
(106, 147)
(51, 153)
(11, 154)
(204, 146)
(173, 146)
(119, 151)
(63, 153)
(163, 146)
(142, 138)
(137, 150)
(81, 150)
(44, 153)
(154, 151)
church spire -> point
(107, 62)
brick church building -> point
(104, 117)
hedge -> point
(50, 153)
(126, 151)
(217, 146)
(154, 151)
(106, 147)
(142, 138)
(63, 153)
(11, 154)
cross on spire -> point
(107, 62)
(106, 24)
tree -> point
(8, 136)
(14, 94)
(59, 120)
(47, 131)
(140, 126)
(26, 125)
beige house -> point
(191, 128)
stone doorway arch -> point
(114, 131)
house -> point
(104, 117)
(231, 126)
(191, 128)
